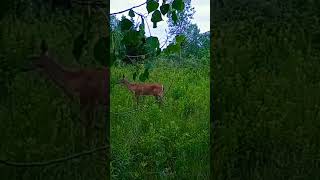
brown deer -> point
(90, 86)
(146, 89)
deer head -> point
(40, 62)
(123, 80)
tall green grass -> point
(171, 142)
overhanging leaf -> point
(132, 38)
(153, 42)
(125, 24)
(156, 17)
(164, 9)
(174, 17)
(131, 13)
(178, 5)
(154, 25)
(152, 5)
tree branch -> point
(54, 161)
(128, 9)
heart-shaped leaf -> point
(153, 42)
(164, 9)
(125, 24)
(152, 5)
(156, 16)
(131, 13)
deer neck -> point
(130, 86)
(56, 73)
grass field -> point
(172, 142)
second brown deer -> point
(89, 86)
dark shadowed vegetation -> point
(266, 89)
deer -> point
(89, 86)
(146, 89)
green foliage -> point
(131, 13)
(153, 44)
(135, 45)
(101, 52)
(126, 24)
(6, 5)
(164, 9)
(132, 38)
(178, 5)
(180, 20)
(152, 5)
(174, 17)
(144, 76)
(175, 47)
(156, 17)
(265, 91)
(37, 121)
(180, 39)
(171, 142)
(78, 46)
(195, 43)
(172, 48)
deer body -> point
(90, 86)
(154, 89)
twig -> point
(128, 9)
(91, 3)
(54, 161)
(148, 27)
(143, 17)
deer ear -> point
(44, 47)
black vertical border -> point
(212, 118)
(108, 153)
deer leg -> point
(86, 120)
(137, 99)
(83, 117)
(95, 126)
(160, 100)
(90, 123)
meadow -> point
(171, 142)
